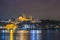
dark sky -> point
(37, 8)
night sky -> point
(45, 9)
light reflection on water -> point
(40, 35)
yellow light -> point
(23, 18)
(11, 34)
(20, 18)
(11, 26)
(23, 34)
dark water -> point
(51, 34)
(40, 35)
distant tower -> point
(30, 17)
(24, 16)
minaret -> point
(30, 17)
(24, 16)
